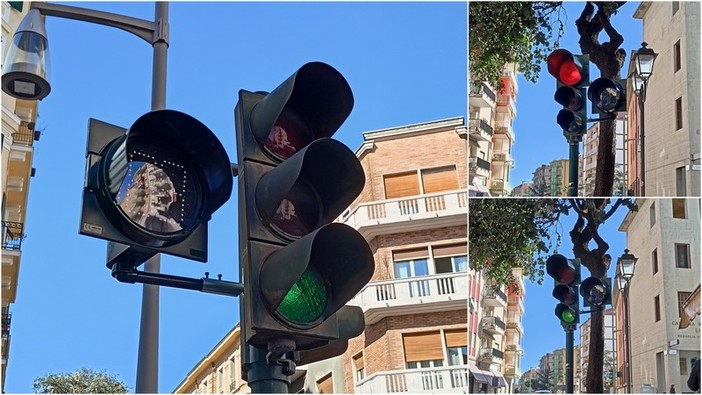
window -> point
(682, 297)
(657, 308)
(652, 214)
(325, 385)
(232, 373)
(682, 256)
(678, 114)
(654, 260)
(424, 181)
(680, 182)
(413, 263)
(359, 367)
(450, 258)
(220, 380)
(676, 6)
(679, 208)
(676, 56)
(683, 366)
(439, 179)
(456, 346)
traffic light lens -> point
(569, 73)
(299, 212)
(306, 300)
(288, 135)
(156, 193)
(607, 99)
(568, 316)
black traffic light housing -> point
(572, 73)
(608, 96)
(153, 188)
(299, 270)
(596, 292)
(566, 275)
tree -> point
(507, 233)
(82, 381)
(609, 59)
(525, 36)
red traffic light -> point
(565, 67)
(561, 269)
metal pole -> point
(147, 360)
(642, 99)
(264, 378)
(574, 145)
(628, 338)
(570, 339)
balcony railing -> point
(493, 325)
(25, 135)
(500, 186)
(12, 235)
(506, 100)
(6, 321)
(479, 166)
(445, 380)
(513, 371)
(490, 353)
(494, 297)
(413, 291)
(482, 89)
(402, 209)
(480, 125)
(515, 324)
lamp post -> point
(644, 59)
(26, 77)
(625, 271)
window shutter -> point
(424, 346)
(440, 179)
(401, 185)
(450, 250)
(456, 337)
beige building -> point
(491, 134)
(672, 108)
(551, 179)
(18, 136)
(664, 234)
(413, 213)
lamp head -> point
(26, 66)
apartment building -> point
(413, 213)
(553, 367)
(492, 115)
(588, 159)
(664, 234)
(18, 136)
(672, 106)
(610, 352)
(497, 331)
(552, 179)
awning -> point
(499, 381)
(480, 376)
(478, 190)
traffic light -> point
(572, 74)
(153, 188)
(608, 96)
(299, 269)
(566, 273)
(596, 292)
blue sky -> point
(535, 127)
(405, 62)
(542, 330)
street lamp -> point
(25, 76)
(625, 271)
(644, 59)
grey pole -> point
(627, 330)
(147, 360)
(574, 147)
(569, 358)
(642, 100)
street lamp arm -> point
(151, 32)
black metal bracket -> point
(127, 273)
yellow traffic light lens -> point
(306, 301)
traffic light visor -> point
(312, 103)
(561, 269)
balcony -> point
(513, 348)
(6, 321)
(479, 167)
(492, 325)
(516, 303)
(513, 371)
(436, 210)
(480, 129)
(481, 95)
(506, 101)
(444, 380)
(515, 325)
(425, 294)
(25, 135)
(506, 130)
(490, 355)
(494, 297)
(12, 235)
(500, 187)
(501, 157)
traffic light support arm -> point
(601, 119)
(126, 273)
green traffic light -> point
(306, 300)
(568, 317)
